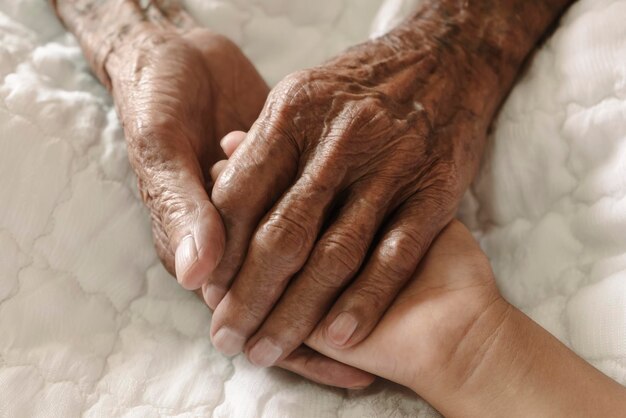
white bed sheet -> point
(91, 324)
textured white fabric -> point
(90, 324)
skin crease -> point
(353, 168)
(449, 335)
(178, 90)
(404, 120)
(452, 338)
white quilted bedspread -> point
(91, 324)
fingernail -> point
(186, 256)
(265, 353)
(213, 295)
(228, 342)
(342, 328)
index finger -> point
(256, 175)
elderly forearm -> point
(101, 26)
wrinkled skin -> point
(451, 337)
(431, 333)
(344, 180)
(353, 168)
(190, 91)
(445, 334)
(178, 90)
(369, 164)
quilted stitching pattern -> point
(91, 325)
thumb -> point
(198, 243)
(231, 142)
(188, 230)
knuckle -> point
(285, 237)
(367, 107)
(287, 107)
(318, 179)
(337, 261)
(296, 323)
(251, 310)
(296, 78)
(400, 254)
(225, 199)
(360, 127)
(369, 299)
(294, 91)
(219, 41)
(360, 115)
(233, 197)
(445, 183)
(438, 196)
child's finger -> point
(231, 141)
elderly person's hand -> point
(353, 168)
(178, 90)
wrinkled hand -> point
(438, 329)
(178, 90)
(177, 95)
(428, 334)
(334, 197)
(431, 330)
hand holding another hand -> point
(451, 337)
(449, 307)
(179, 89)
(353, 168)
(337, 192)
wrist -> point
(509, 366)
(489, 367)
(466, 372)
(101, 28)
